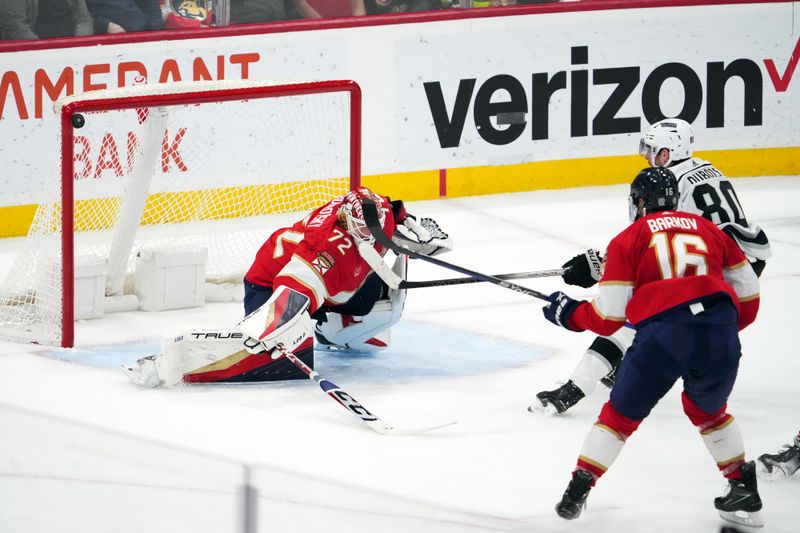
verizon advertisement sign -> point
(625, 83)
(459, 93)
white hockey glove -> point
(423, 236)
(283, 320)
(584, 270)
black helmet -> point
(653, 189)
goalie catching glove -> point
(584, 270)
(283, 320)
(423, 236)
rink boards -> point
(463, 103)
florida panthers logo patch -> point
(323, 262)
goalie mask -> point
(674, 134)
(653, 189)
(351, 214)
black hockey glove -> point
(398, 210)
(560, 309)
(584, 270)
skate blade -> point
(743, 518)
(543, 409)
(567, 514)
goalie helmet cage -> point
(207, 165)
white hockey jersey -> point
(705, 191)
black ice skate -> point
(741, 504)
(780, 465)
(559, 400)
(574, 499)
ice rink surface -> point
(84, 450)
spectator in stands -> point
(311, 9)
(34, 19)
(120, 16)
(247, 11)
(382, 7)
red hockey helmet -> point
(351, 213)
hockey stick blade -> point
(419, 430)
(462, 281)
(347, 401)
(374, 225)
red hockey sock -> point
(605, 441)
(721, 435)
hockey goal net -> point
(207, 164)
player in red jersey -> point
(687, 289)
(326, 268)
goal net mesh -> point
(179, 169)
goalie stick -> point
(373, 223)
(462, 281)
(350, 403)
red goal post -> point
(205, 164)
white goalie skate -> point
(143, 372)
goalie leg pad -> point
(212, 356)
(366, 333)
(183, 354)
(246, 367)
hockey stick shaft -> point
(342, 397)
(462, 281)
(371, 219)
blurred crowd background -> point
(41, 19)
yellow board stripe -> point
(424, 184)
(210, 204)
(407, 186)
(15, 220)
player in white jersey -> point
(703, 190)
